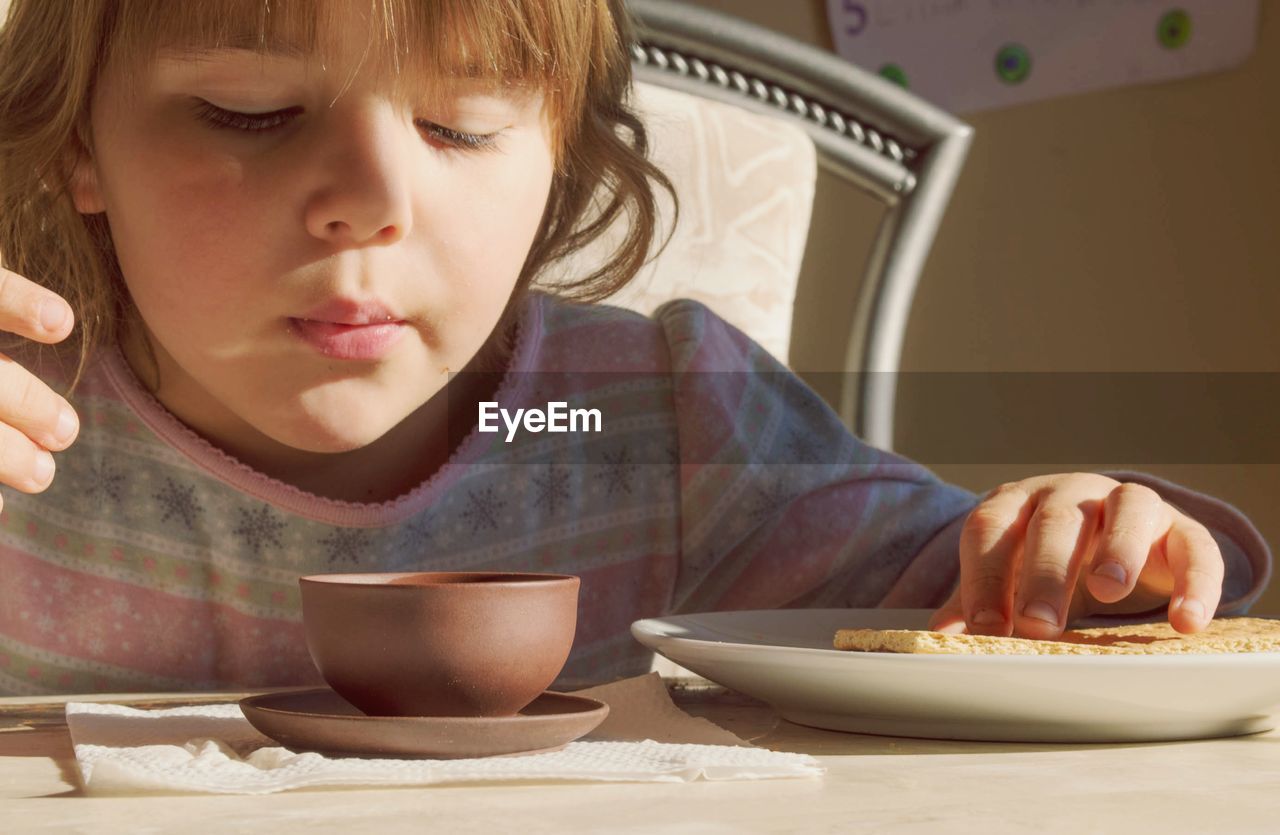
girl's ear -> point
(85, 191)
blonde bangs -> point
(413, 47)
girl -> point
(300, 246)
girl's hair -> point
(575, 51)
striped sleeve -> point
(781, 506)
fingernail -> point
(66, 426)
(1112, 570)
(1041, 611)
(986, 617)
(52, 314)
(44, 468)
(1194, 608)
(953, 628)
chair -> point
(894, 146)
(746, 185)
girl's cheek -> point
(528, 200)
(501, 219)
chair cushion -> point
(746, 183)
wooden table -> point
(880, 784)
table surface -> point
(873, 783)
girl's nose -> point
(362, 196)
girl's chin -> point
(334, 434)
(346, 417)
(334, 443)
(329, 446)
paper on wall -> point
(970, 55)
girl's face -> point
(233, 229)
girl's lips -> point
(349, 342)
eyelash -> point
(263, 122)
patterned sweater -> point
(719, 480)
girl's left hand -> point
(1038, 553)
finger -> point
(1059, 535)
(950, 615)
(1133, 515)
(989, 553)
(30, 310)
(23, 465)
(1198, 570)
(34, 409)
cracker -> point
(1220, 636)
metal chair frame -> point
(890, 143)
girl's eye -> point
(250, 122)
(263, 122)
(457, 138)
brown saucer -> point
(319, 719)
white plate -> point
(784, 657)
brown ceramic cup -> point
(439, 643)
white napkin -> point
(213, 748)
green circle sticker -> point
(895, 74)
(1174, 29)
(1013, 63)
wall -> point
(1129, 230)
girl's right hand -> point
(34, 419)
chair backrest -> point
(745, 181)
(893, 145)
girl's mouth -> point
(349, 342)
